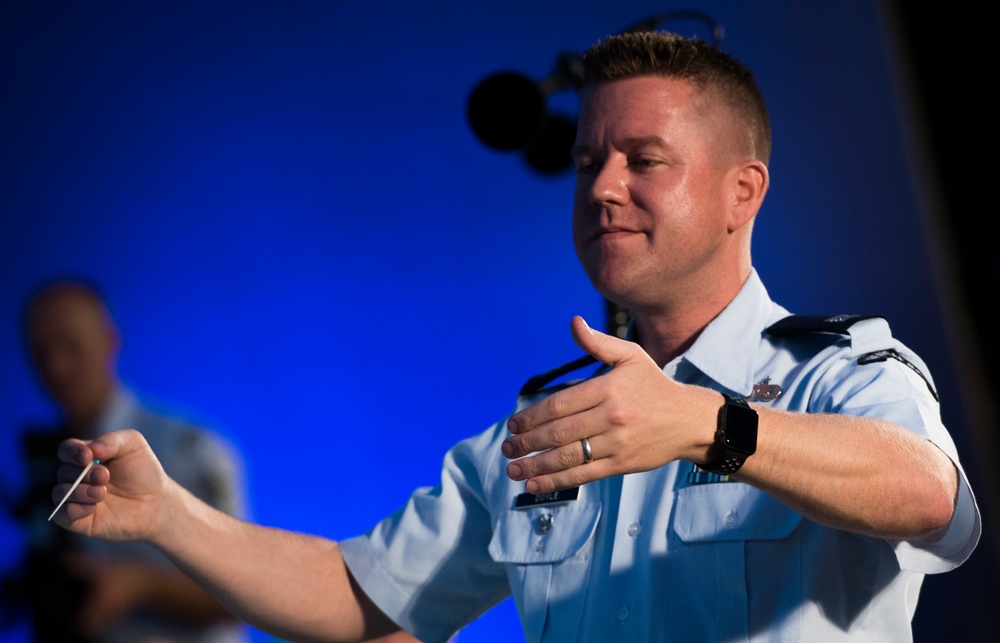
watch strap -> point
(732, 458)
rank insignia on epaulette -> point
(764, 391)
(889, 353)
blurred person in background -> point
(86, 590)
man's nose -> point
(610, 184)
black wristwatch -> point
(736, 434)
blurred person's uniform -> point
(52, 587)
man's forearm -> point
(293, 585)
(858, 474)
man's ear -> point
(750, 181)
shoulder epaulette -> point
(840, 325)
(538, 382)
(802, 324)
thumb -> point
(117, 444)
(606, 348)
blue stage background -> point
(307, 247)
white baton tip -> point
(76, 484)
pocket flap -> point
(544, 534)
(731, 511)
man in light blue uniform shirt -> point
(729, 473)
(676, 553)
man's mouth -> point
(613, 232)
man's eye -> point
(646, 162)
(585, 167)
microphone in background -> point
(508, 110)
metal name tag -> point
(536, 499)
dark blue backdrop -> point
(306, 246)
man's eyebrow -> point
(643, 141)
(627, 144)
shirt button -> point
(623, 613)
(634, 529)
(544, 523)
(731, 519)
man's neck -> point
(667, 331)
(663, 339)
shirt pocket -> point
(547, 551)
(741, 540)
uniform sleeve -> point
(225, 478)
(427, 566)
(902, 392)
(211, 469)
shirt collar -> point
(726, 350)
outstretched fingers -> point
(557, 420)
(561, 467)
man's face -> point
(73, 346)
(651, 200)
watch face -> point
(741, 428)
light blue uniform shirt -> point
(664, 555)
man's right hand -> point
(294, 585)
(119, 499)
